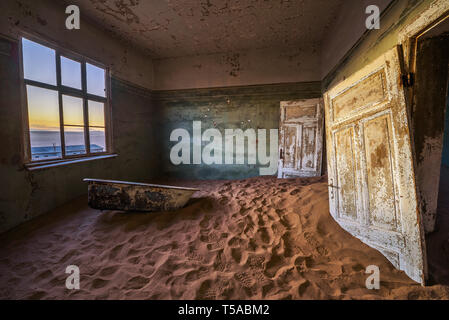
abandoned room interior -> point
(224, 149)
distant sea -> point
(41, 138)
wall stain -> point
(233, 61)
(168, 28)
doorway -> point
(430, 126)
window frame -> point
(69, 91)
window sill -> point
(57, 163)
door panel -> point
(290, 143)
(366, 92)
(345, 175)
(308, 148)
(380, 180)
(372, 189)
(301, 138)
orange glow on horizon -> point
(43, 111)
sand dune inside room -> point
(258, 238)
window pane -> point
(43, 118)
(96, 113)
(95, 80)
(70, 73)
(97, 140)
(38, 62)
(74, 140)
(73, 110)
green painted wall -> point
(244, 107)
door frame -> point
(437, 12)
(408, 38)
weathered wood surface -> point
(134, 196)
(301, 138)
(428, 99)
(372, 190)
(409, 33)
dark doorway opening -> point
(438, 241)
(430, 124)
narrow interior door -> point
(372, 190)
(301, 138)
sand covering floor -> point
(259, 238)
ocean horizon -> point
(48, 138)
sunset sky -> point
(43, 106)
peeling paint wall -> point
(239, 68)
(179, 28)
(25, 194)
(46, 19)
(244, 107)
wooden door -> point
(372, 190)
(301, 138)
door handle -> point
(331, 185)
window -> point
(67, 104)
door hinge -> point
(408, 80)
